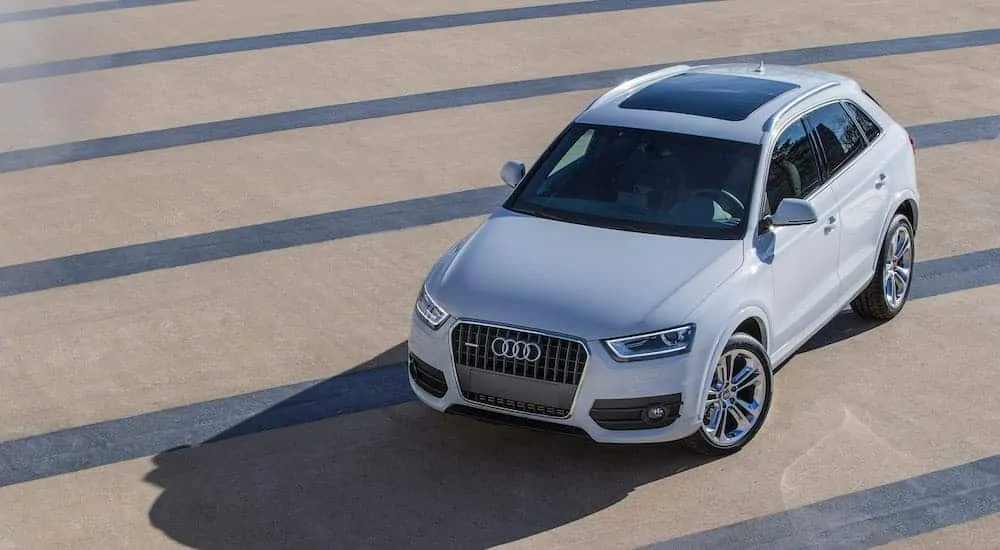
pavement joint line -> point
(132, 58)
(206, 132)
(146, 434)
(110, 263)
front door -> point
(803, 259)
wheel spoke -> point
(716, 421)
(720, 430)
(749, 410)
(900, 283)
(747, 370)
(742, 422)
(902, 245)
(890, 286)
(720, 375)
(751, 380)
(904, 273)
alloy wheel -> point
(735, 400)
(898, 267)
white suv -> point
(688, 231)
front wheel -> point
(737, 400)
(886, 294)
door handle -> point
(831, 223)
(832, 220)
(882, 178)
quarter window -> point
(575, 152)
(838, 135)
(793, 171)
(870, 128)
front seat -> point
(783, 181)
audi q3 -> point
(684, 234)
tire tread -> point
(870, 304)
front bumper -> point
(609, 405)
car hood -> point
(577, 280)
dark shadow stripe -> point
(240, 241)
(24, 159)
(114, 441)
(75, 9)
(956, 273)
(868, 518)
(329, 34)
(958, 131)
(147, 434)
(228, 243)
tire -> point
(874, 302)
(706, 441)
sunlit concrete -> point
(384, 477)
(861, 407)
(162, 95)
(194, 21)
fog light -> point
(654, 414)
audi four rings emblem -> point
(516, 349)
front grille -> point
(561, 360)
(513, 404)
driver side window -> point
(793, 170)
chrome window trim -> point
(831, 177)
(881, 129)
(780, 113)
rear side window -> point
(840, 138)
(870, 128)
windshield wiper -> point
(541, 213)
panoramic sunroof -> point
(725, 97)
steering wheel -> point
(727, 200)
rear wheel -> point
(886, 294)
(737, 400)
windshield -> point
(642, 180)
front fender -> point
(747, 311)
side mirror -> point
(794, 212)
(512, 173)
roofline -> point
(776, 117)
(595, 112)
(634, 83)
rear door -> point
(856, 171)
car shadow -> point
(844, 326)
(400, 476)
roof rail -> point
(631, 84)
(769, 124)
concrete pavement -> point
(874, 432)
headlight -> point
(432, 314)
(674, 341)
